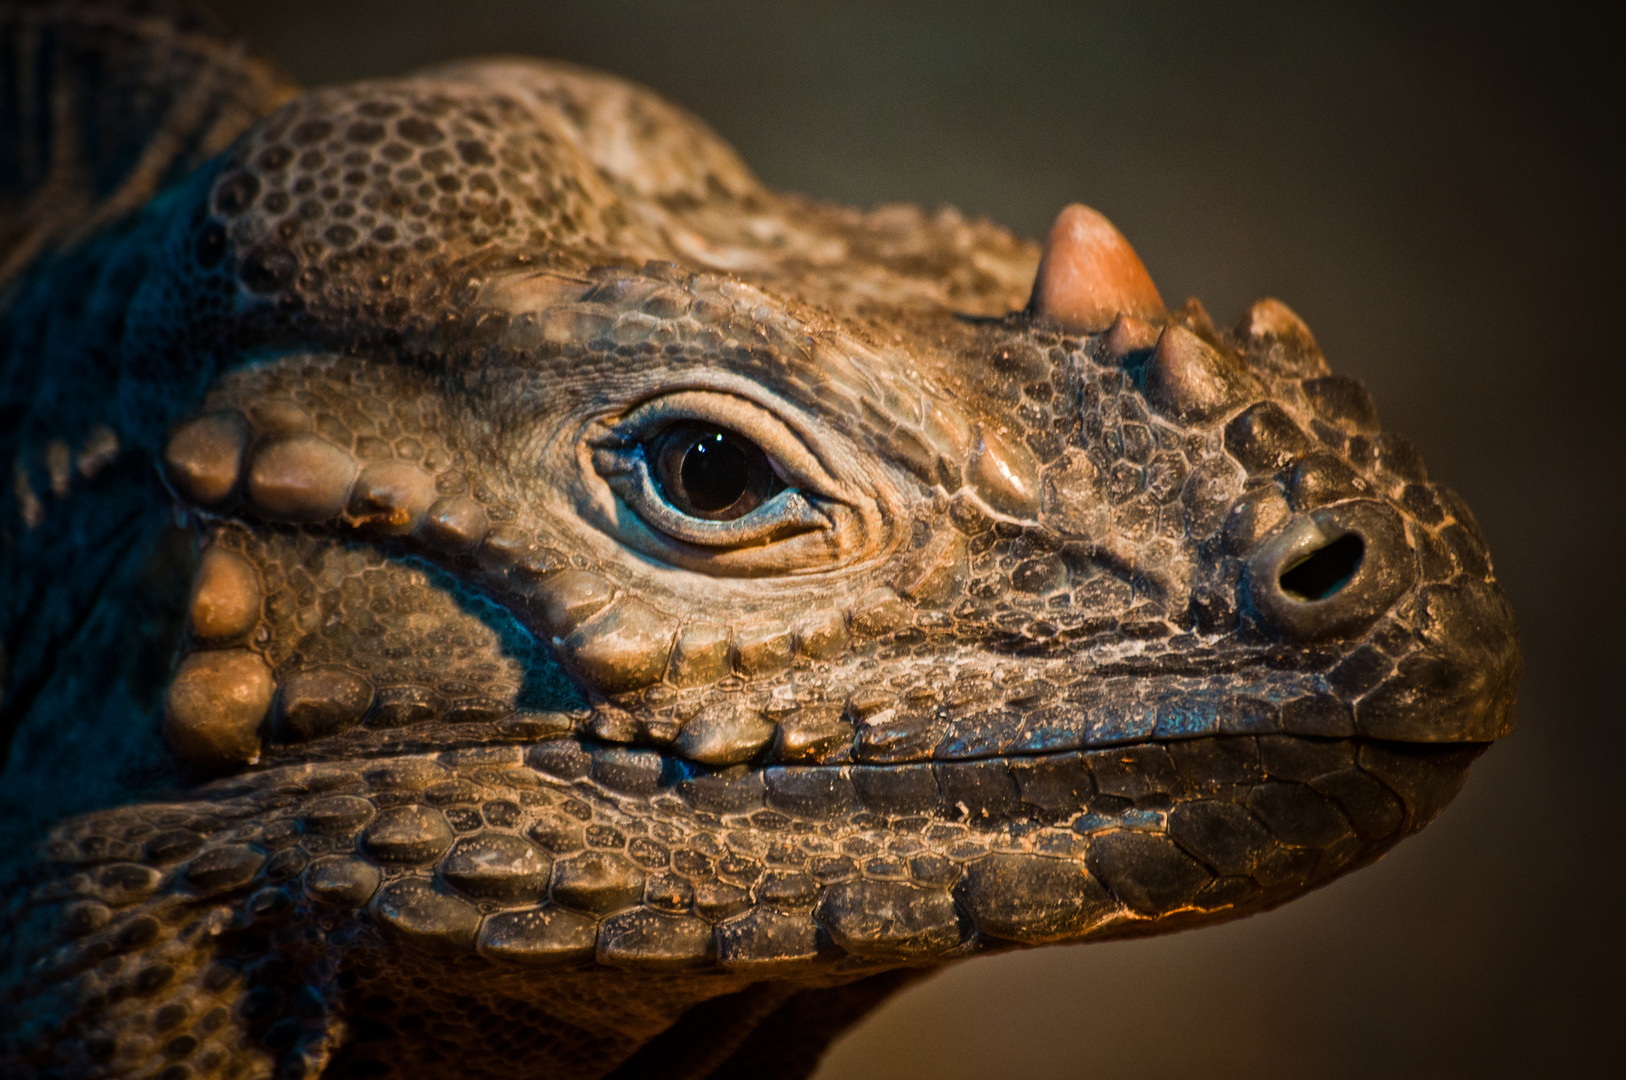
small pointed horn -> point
(1089, 274)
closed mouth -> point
(640, 858)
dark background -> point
(1436, 191)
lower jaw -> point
(701, 885)
(827, 872)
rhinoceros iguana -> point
(489, 589)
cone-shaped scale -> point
(1089, 274)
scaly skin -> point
(373, 713)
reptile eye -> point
(724, 484)
(711, 473)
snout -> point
(1447, 667)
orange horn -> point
(1089, 274)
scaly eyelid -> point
(787, 453)
(619, 458)
(787, 512)
(839, 507)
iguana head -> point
(822, 523)
(623, 563)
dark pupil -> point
(710, 472)
(715, 472)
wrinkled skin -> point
(376, 710)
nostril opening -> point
(1329, 573)
(1325, 571)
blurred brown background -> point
(1436, 190)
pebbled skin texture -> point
(371, 716)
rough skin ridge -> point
(377, 706)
